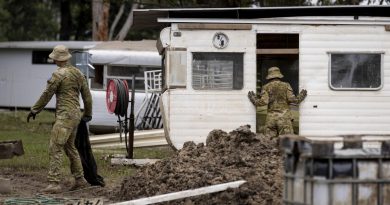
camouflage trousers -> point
(276, 124)
(62, 138)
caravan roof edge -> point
(284, 20)
(141, 20)
(48, 44)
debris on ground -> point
(238, 155)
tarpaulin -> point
(87, 159)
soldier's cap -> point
(274, 72)
(60, 53)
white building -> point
(25, 69)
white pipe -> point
(183, 194)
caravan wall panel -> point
(21, 82)
(328, 112)
(325, 112)
(192, 114)
(342, 112)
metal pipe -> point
(131, 124)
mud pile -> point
(240, 154)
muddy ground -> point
(226, 157)
(240, 154)
(26, 185)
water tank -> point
(342, 170)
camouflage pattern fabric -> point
(67, 83)
(277, 95)
(278, 124)
(62, 138)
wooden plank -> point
(278, 51)
(141, 139)
(136, 162)
(208, 26)
(183, 194)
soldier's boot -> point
(79, 183)
(52, 188)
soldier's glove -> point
(302, 95)
(252, 97)
(31, 114)
(86, 118)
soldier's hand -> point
(252, 97)
(303, 94)
(251, 94)
(31, 114)
(86, 118)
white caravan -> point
(121, 60)
(25, 68)
(213, 57)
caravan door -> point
(280, 50)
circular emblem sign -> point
(220, 40)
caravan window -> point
(217, 71)
(41, 57)
(355, 71)
(126, 73)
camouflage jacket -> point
(277, 95)
(67, 83)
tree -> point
(4, 16)
(100, 15)
(28, 20)
(110, 19)
(352, 2)
(83, 17)
(127, 25)
(66, 20)
(75, 19)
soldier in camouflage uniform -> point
(67, 82)
(277, 95)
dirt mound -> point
(240, 154)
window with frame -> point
(355, 71)
(126, 73)
(41, 57)
(217, 71)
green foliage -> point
(38, 20)
(4, 16)
(143, 34)
(28, 20)
(81, 15)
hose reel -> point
(117, 101)
(117, 97)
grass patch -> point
(35, 137)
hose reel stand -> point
(117, 101)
